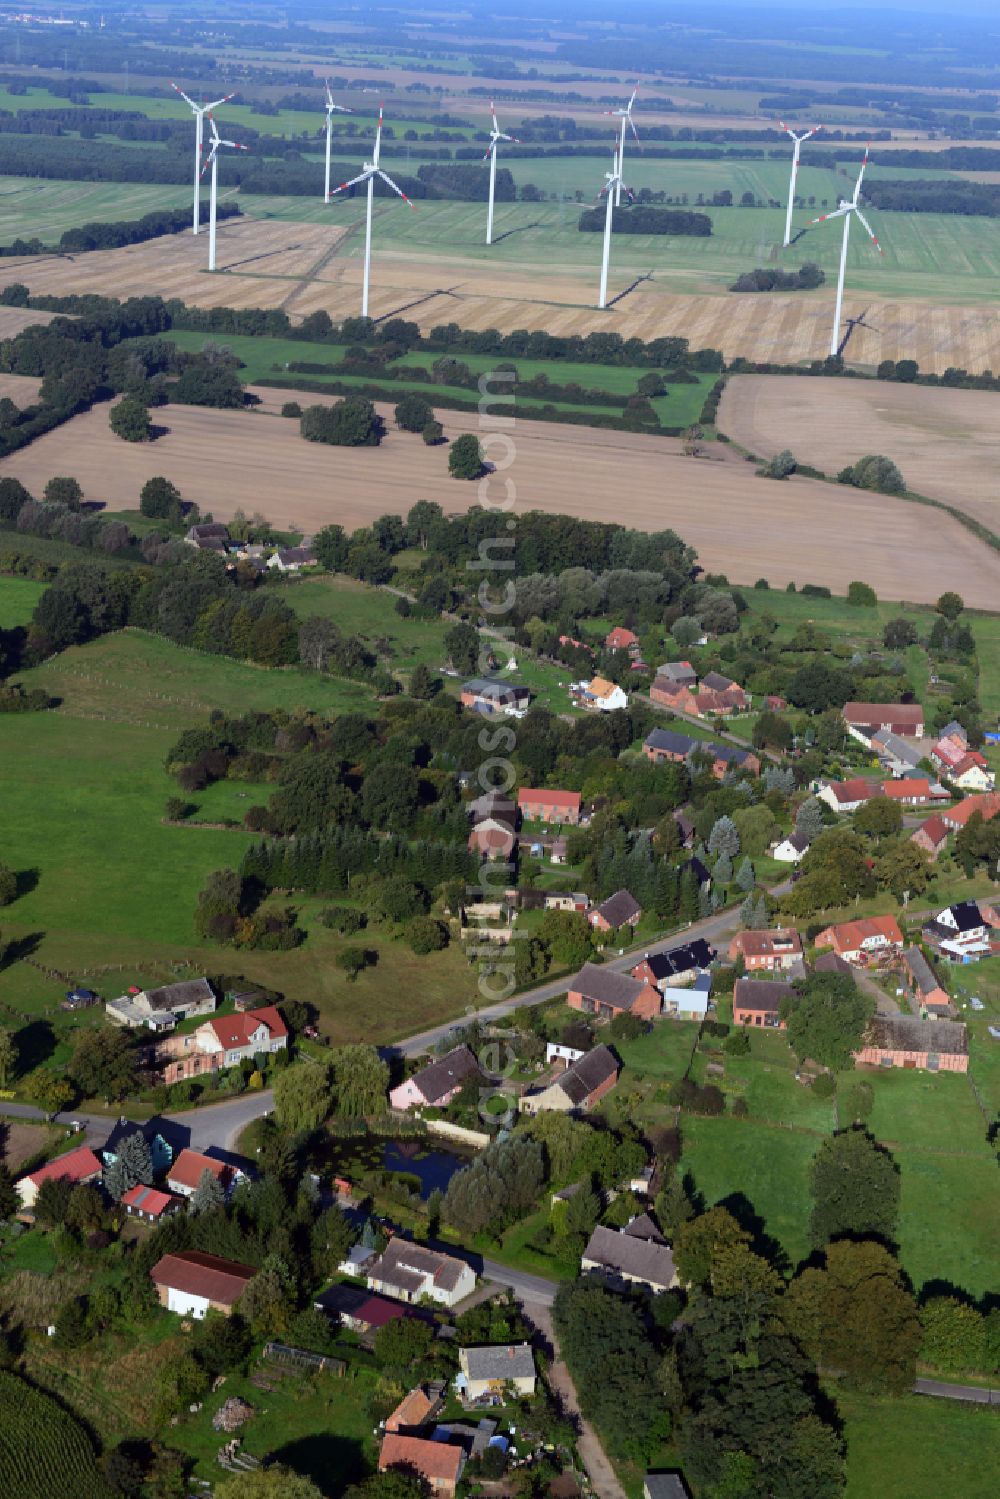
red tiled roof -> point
(434, 1461)
(237, 1030)
(528, 796)
(987, 804)
(190, 1164)
(935, 828)
(880, 713)
(781, 940)
(902, 791)
(78, 1165)
(850, 934)
(203, 1275)
(412, 1410)
(148, 1199)
(619, 637)
(852, 791)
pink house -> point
(437, 1084)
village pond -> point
(378, 1163)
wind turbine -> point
(200, 111)
(496, 134)
(799, 142)
(213, 162)
(612, 182)
(331, 110)
(371, 171)
(846, 211)
(625, 115)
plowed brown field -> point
(946, 442)
(801, 531)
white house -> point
(410, 1272)
(791, 849)
(292, 559)
(554, 1050)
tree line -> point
(641, 219)
(112, 236)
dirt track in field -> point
(801, 531)
(946, 442)
(295, 266)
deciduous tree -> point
(854, 1184)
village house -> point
(677, 966)
(619, 910)
(681, 673)
(664, 744)
(209, 536)
(565, 900)
(415, 1410)
(543, 805)
(960, 932)
(578, 1088)
(360, 1311)
(775, 951)
(620, 639)
(149, 1204)
(846, 796)
(603, 993)
(77, 1166)
(664, 1486)
(186, 1172)
(865, 720)
(223, 1041)
(633, 1256)
(560, 1051)
(160, 1009)
(412, 1271)
(987, 804)
(689, 1001)
(904, 1041)
(495, 1369)
(438, 1465)
(716, 697)
(895, 754)
(791, 849)
(191, 1283)
(489, 695)
(925, 985)
(292, 559)
(912, 791)
(757, 1002)
(493, 804)
(436, 1084)
(869, 940)
(966, 768)
(599, 695)
(931, 836)
(492, 839)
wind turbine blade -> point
(861, 174)
(396, 189)
(871, 233)
(184, 96)
(632, 100)
(225, 100)
(634, 131)
(837, 213)
(209, 159)
(488, 152)
(354, 181)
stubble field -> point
(946, 442)
(740, 525)
(923, 300)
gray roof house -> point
(620, 909)
(160, 1009)
(664, 1486)
(682, 673)
(579, 1086)
(410, 1272)
(487, 1370)
(629, 1259)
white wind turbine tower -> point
(625, 115)
(200, 111)
(371, 171)
(331, 110)
(846, 211)
(213, 162)
(612, 183)
(799, 141)
(496, 134)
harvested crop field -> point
(21, 389)
(946, 442)
(14, 320)
(740, 525)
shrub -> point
(129, 420)
(861, 595)
(737, 1044)
(291, 408)
(433, 434)
(413, 413)
(873, 472)
(350, 423)
(780, 466)
(343, 919)
(824, 1086)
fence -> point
(282, 1353)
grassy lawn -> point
(29, 1251)
(18, 597)
(926, 1111)
(918, 1448)
(663, 1054)
(758, 1163)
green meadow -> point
(18, 597)
(918, 1448)
(34, 209)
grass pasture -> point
(18, 597)
(35, 209)
(917, 1448)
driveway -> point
(969, 1392)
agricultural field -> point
(923, 295)
(225, 460)
(33, 209)
(946, 442)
